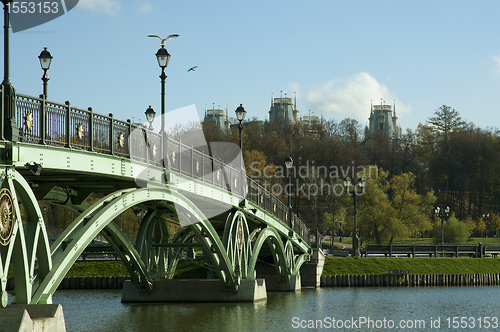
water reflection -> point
(101, 310)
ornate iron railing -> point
(43, 122)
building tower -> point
(219, 117)
(284, 109)
(383, 118)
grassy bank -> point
(372, 265)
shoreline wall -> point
(411, 280)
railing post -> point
(111, 134)
(192, 162)
(42, 119)
(68, 127)
(91, 129)
(129, 136)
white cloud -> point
(110, 7)
(496, 59)
(348, 97)
(144, 8)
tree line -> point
(445, 162)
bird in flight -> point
(163, 41)
(192, 68)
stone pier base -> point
(194, 290)
(273, 285)
(311, 271)
(32, 317)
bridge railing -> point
(49, 123)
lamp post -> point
(45, 60)
(359, 185)
(9, 128)
(341, 230)
(442, 213)
(289, 164)
(163, 58)
(240, 115)
(150, 116)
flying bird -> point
(192, 68)
(163, 41)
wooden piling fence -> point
(411, 280)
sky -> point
(338, 57)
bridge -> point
(97, 167)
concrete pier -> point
(32, 317)
(194, 290)
(274, 285)
(311, 271)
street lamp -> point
(341, 230)
(445, 213)
(288, 165)
(240, 115)
(359, 185)
(163, 58)
(45, 60)
(150, 116)
(9, 129)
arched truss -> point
(25, 248)
(236, 240)
(287, 263)
(97, 218)
(160, 260)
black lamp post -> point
(45, 60)
(341, 230)
(9, 128)
(445, 213)
(288, 165)
(150, 117)
(359, 185)
(240, 115)
(163, 58)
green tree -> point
(446, 120)
(455, 231)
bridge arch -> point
(27, 247)
(98, 217)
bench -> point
(99, 252)
(411, 250)
(492, 249)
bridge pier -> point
(32, 317)
(273, 282)
(194, 290)
(310, 272)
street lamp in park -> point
(289, 165)
(442, 213)
(45, 60)
(240, 115)
(357, 190)
(150, 116)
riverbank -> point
(417, 266)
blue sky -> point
(336, 55)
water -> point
(308, 310)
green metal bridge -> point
(60, 154)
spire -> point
(394, 107)
(371, 107)
(295, 101)
(272, 100)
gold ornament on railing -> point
(154, 150)
(173, 157)
(79, 131)
(28, 121)
(121, 140)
